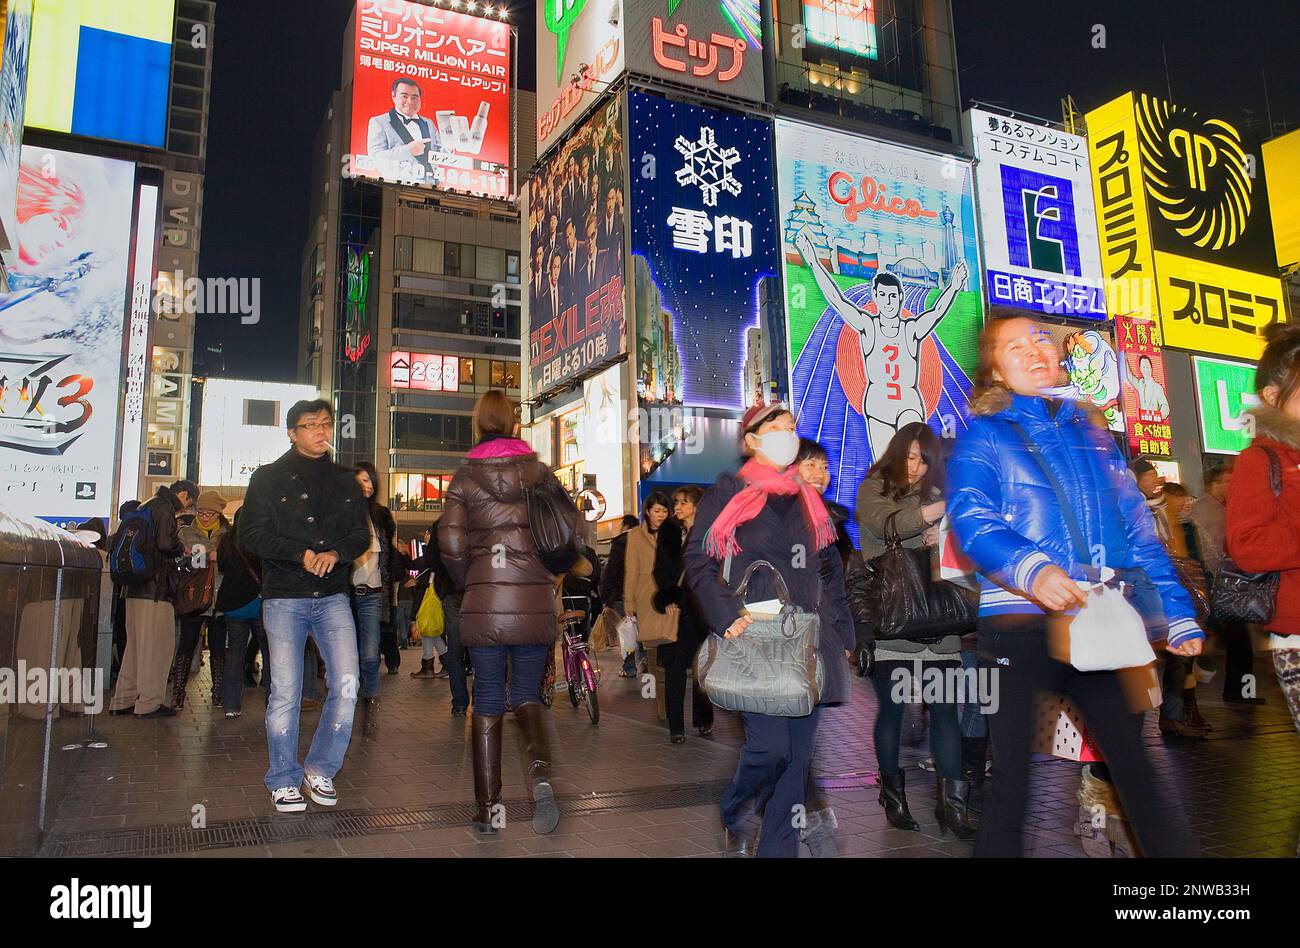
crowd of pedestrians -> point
(1036, 494)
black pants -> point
(1015, 649)
(945, 731)
(1239, 658)
(676, 660)
(192, 633)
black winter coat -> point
(781, 535)
(611, 577)
(240, 574)
(163, 507)
(277, 526)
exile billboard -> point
(703, 239)
(431, 98)
(61, 332)
(1037, 218)
(575, 251)
(882, 291)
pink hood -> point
(500, 448)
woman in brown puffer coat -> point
(508, 611)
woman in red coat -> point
(1263, 529)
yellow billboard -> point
(1282, 166)
(1210, 308)
(1123, 227)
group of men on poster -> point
(576, 221)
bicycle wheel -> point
(593, 707)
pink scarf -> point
(760, 481)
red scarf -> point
(760, 481)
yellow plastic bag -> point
(430, 619)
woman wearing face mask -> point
(1263, 529)
(766, 512)
(1003, 500)
(672, 595)
(902, 495)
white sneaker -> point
(322, 790)
(288, 800)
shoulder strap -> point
(1274, 471)
(1071, 523)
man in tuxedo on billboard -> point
(402, 142)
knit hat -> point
(756, 416)
(210, 500)
(1141, 466)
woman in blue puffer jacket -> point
(1006, 514)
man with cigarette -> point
(305, 519)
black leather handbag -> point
(1238, 596)
(905, 601)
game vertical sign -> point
(1146, 398)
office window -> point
(467, 374)
(512, 268)
(491, 264)
(261, 412)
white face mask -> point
(780, 447)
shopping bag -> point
(430, 619)
(954, 565)
(627, 634)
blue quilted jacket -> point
(1009, 521)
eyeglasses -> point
(316, 426)
(209, 514)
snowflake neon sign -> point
(707, 166)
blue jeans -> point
(328, 622)
(366, 609)
(972, 717)
(237, 632)
(773, 773)
(454, 660)
(526, 665)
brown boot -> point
(180, 678)
(1192, 714)
(426, 668)
(485, 742)
(536, 754)
(370, 708)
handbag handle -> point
(782, 591)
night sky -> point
(276, 64)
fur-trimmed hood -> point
(1276, 425)
(996, 399)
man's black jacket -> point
(277, 526)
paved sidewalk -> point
(192, 785)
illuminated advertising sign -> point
(101, 70)
(579, 54)
(846, 25)
(137, 346)
(1037, 218)
(431, 98)
(707, 44)
(1125, 234)
(424, 371)
(61, 334)
(604, 413)
(357, 311)
(1282, 165)
(1092, 375)
(881, 289)
(13, 102)
(703, 239)
(576, 249)
(244, 427)
(1146, 399)
(1224, 391)
(1185, 228)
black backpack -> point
(553, 519)
(133, 557)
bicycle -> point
(581, 673)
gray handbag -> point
(772, 667)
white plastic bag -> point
(1108, 633)
(627, 634)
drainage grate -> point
(172, 840)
